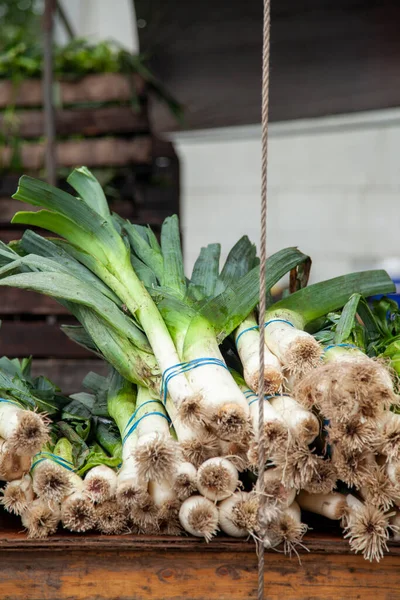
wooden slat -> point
(12, 232)
(41, 339)
(87, 122)
(21, 302)
(103, 568)
(91, 152)
(109, 87)
(68, 374)
(8, 208)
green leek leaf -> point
(141, 247)
(39, 193)
(347, 318)
(67, 287)
(226, 311)
(90, 190)
(240, 260)
(321, 298)
(173, 274)
(206, 270)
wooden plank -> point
(87, 122)
(21, 302)
(41, 339)
(326, 58)
(68, 374)
(105, 152)
(108, 87)
(95, 567)
(8, 208)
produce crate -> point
(97, 126)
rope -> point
(263, 258)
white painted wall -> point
(334, 189)
(102, 20)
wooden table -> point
(93, 567)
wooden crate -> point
(93, 567)
(112, 134)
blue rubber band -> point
(62, 462)
(134, 426)
(133, 416)
(10, 402)
(278, 321)
(340, 346)
(245, 331)
(248, 393)
(180, 368)
(265, 325)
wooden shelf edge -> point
(314, 543)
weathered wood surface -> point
(106, 152)
(83, 121)
(109, 87)
(21, 302)
(68, 374)
(41, 339)
(95, 567)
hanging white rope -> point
(263, 258)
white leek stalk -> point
(237, 452)
(238, 514)
(388, 442)
(24, 430)
(130, 489)
(276, 430)
(199, 517)
(217, 478)
(18, 495)
(100, 483)
(367, 529)
(12, 465)
(167, 504)
(378, 490)
(111, 518)
(277, 496)
(51, 481)
(395, 526)
(352, 466)
(393, 471)
(348, 384)
(297, 350)
(324, 478)
(356, 433)
(222, 402)
(121, 402)
(77, 511)
(332, 506)
(287, 528)
(185, 481)
(196, 444)
(52, 472)
(41, 518)
(303, 424)
(248, 344)
(297, 463)
(156, 452)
